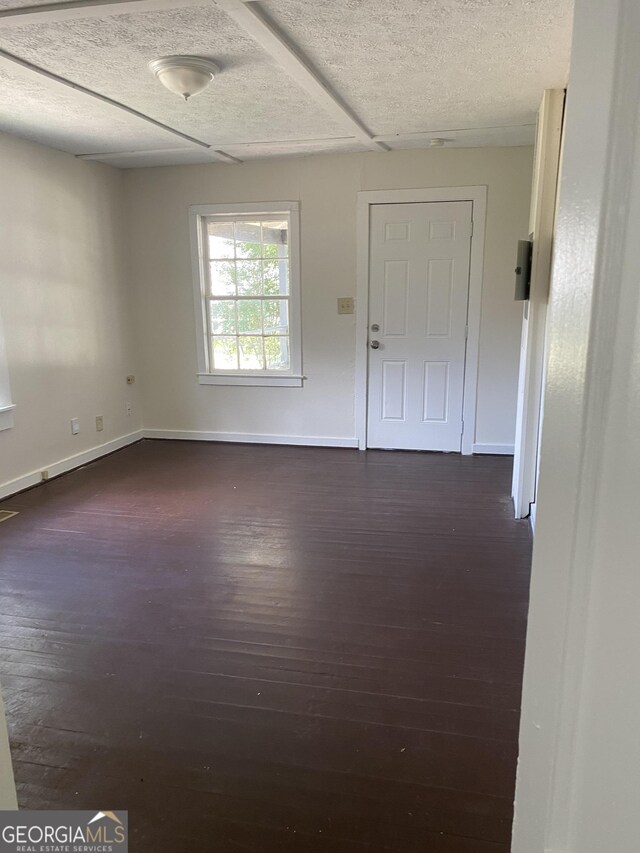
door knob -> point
(375, 344)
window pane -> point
(251, 354)
(249, 278)
(275, 238)
(223, 278)
(275, 313)
(277, 353)
(220, 239)
(225, 353)
(276, 278)
(248, 240)
(249, 317)
(223, 317)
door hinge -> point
(461, 427)
(471, 228)
(466, 332)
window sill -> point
(6, 417)
(248, 379)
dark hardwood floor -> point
(270, 649)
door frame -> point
(544, 200)
(477, 195)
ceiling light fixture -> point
(184, 75)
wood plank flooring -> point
(266, 649)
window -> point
(247, 292)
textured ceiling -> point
(17, 4)
(251, 100)
(56, 116)
(471, 71)
(411, 65)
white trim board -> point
(256, 23)
(495, 449)
(250, 438)
(534, 321)
(478, 196)
(62, 466)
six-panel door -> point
(418, 294)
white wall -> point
(327, 188)
(579, 768)
(66, 306)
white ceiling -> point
(298, 76)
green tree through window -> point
(249, 294)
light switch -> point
(345, 305)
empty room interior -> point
(275, 334)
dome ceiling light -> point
(184, 75)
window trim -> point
(7, 407)
(198, 214)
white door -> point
(418, 292)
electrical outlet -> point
(75, 426)
(131, 379)
(128, 410)
(99, 423)
(345, 305)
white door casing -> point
(418, 291)
(476, 196)
(532, 347)
(579, 757)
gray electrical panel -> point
(523, 269)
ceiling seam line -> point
(63, 81)
(253, 20)
(413, 133)
(142, 152)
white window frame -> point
(197, 220)
(6, 406)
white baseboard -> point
(79, 459)
(251, 438)
(497, 449)
(68, 464)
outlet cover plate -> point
(345, 305)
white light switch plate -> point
(345, 305)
